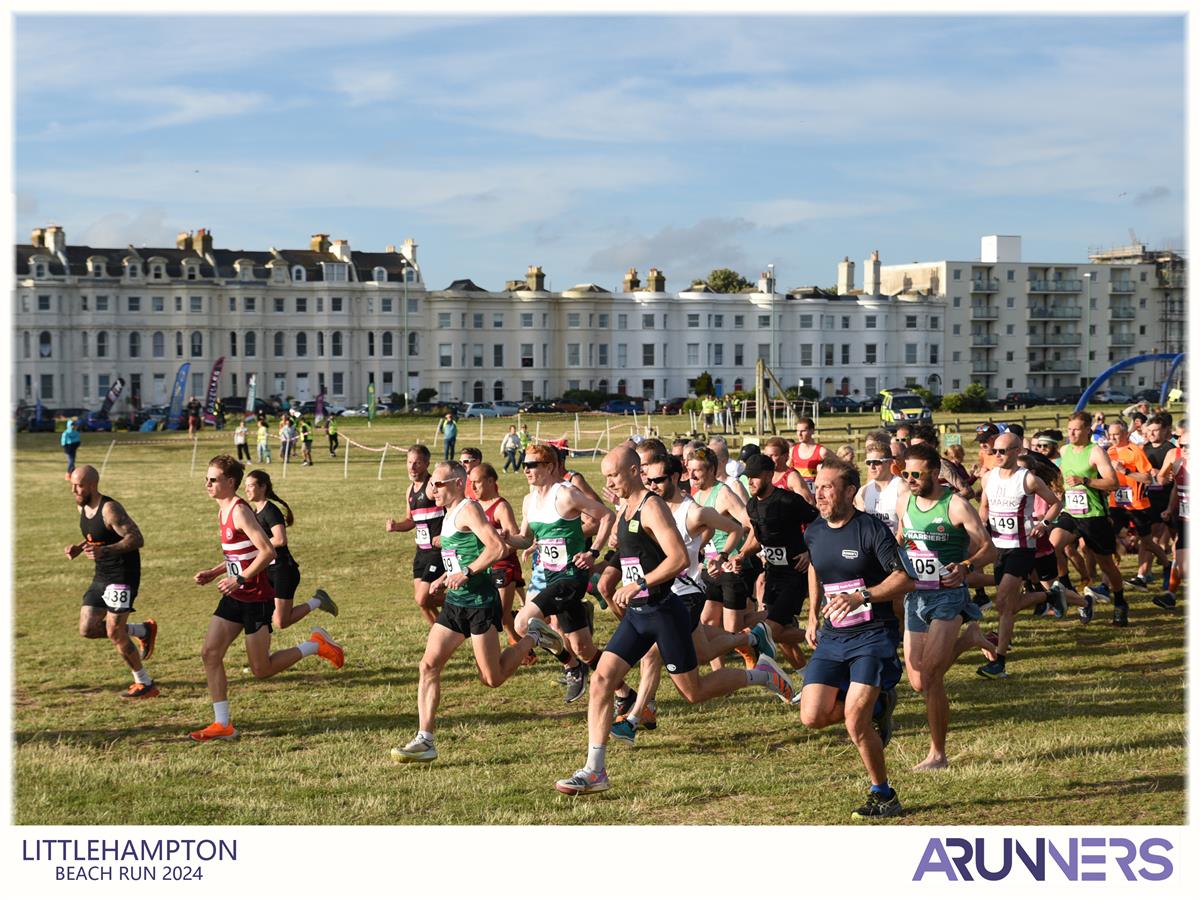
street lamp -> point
(404, 275)
(1087, 359)
(771, 288)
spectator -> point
(239, 441)
(70, 444)
(511, 447)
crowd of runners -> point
(786, 557)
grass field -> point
(1088, 730)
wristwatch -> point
(466, 570)
(240, 580)
(595, 553)
(970, 567)
(641, 583)
(866, 595)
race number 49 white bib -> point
(1004, 529)
(927, 568)
(118, 597)
(552, 553)
(631, 571)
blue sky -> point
(591, 144)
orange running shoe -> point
(148, 641)
(140, 691)
(215, 732)
(328, 648)
(649, 719)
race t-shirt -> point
(863, 552)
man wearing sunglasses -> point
(945, 541)
(877, 497)
(469, 547)
(1175, 470)
(1129, 504)
(425, 518)
(1007, 507)
(469, 459)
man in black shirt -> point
(856, 559)
(112, 539)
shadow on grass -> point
(1143, 784)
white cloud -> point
(683, 253)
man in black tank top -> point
(111, 538)
(651, 556)
(425, 517)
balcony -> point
(985, 285)
(1121, 287)
(1055, 312)
(1062, 286)
(1122, 312)
(1054, 365)
(985, 312)
(1055, 340)
(1174, 310)
(982, 367)
(1121, 340)
(984, 340)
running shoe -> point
(877, 807)
(328, 648)
(1088, 610)
(140, 691)
(1039, 609)
(545, 637)
(650, 717)
(577, 679)
(883, 722)
(583, 782)
(147, 642)
(778, 683)
(624, 730)
(1102, 592)
(1165, 600)
(622, 705)
(1138, 582)
(416, 750)
(994, 669)
(1057, 599)
(765, 644)
(215, 732)
(1120, 616)
(327, 604)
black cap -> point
(748, 450)
(986, 432)
(759, 465)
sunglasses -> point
(878, 462)
(534, 464)
(912, 476)
(1183, 446)
(659, 480)
(213, 480)
(441, 484)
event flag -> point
(320, 410)
(214, 387)
(371, 402)
(175, 406)
(250, 398)
(111, 397)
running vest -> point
(1010, 511)
(1081, 502)
(459, 550)
(806, 465)
(639, 553)
(719, 537)
(558, 539)
(932, 541)
(1129, 494)
(490, 512)
(123, 568)
(1180, 466)
(426, 514)
(780, 479)
(688, 581)
(268, 517)
(881, 502)
(240, 552)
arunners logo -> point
(849, 554)
(960, 859)
(670, 667)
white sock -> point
(136, 630)
(307, 648)
(753, 639)
(425, 736)
(141, 676)
(758, 676)
(312, 604)
(595, 760)
(632, 720)
(221, 712)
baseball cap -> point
(749, 450)
(986, 432)
(757, 466)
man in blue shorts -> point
(859, 564)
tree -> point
(425, 394)
(704, 385)
(726, 281)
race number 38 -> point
(118, 597)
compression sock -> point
(221, 712)
(594, 661)
(136, 630)
(313, 603)
(1066, 581)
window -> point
(277, 304)
(910, 353)
(412, 304)
(233, 304)
(910, 322)
(526, 320)
(955, 383)
(320, 343)
(47, 382)
(133, 270)
(386, 344)
(178, 304)
(196, 304)
(197, 344)
(477, 355)
(869, 322)
(335, 304)
(335, 343)
(647, 354)
(178, 344)
(412, 343)
(301, 304)
(647, 321)
(156, 304)
(958, 274)
(573, 320)
(1008, 329)
(339, 383)
(370, 343)
(44, 349)
(806, 321)
(869, 354)
(135, 304)
(87, 386)
(935, 322)
(444, 356)
(827, 354)
(1011, 302)
(718, 321)
(718, 354)
(477, 321)
(845, 354)
(135, 344)
(25, 343)
(957, 329)
(572, 354)
(602, 320)
(602, 354)
(498, 355)
(693, 320)
(301, 344)
(622, 357)
(693, 354)
(956, 356)
(101, 344)
(1008, 357)
(380, 274)
(101, 303)
(934, 351)
(647, 388)
(739, 354)
(827, 322)
(845, 323)
(806, 353)
(622, 322)
(957, 302)
(444, 320)
(279, 350)
(527, 356)
(765, 321)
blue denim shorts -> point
(922, 607)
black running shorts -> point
(666, 624)
(1016, 561)
(427, 565)
(784, 594)
(469, 620)
(1138, 518)
(563, 597)
(251, 616)
(95, 595)
(284, 579)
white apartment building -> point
(329, 316)
(1052, 327)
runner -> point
(945, 541)
(112, 540)
(331, 430)
(652, 556)
(724, 474)
(506, 572)
(552, 517)
(854, 669)
(469, 459)
(284, 572)
(469, 546)
(1176, 469)
(264, 448)
(779, 518)
(425, 518)
(247, 601)
(784, 476)
(1158, 445)
(306, 442)
(1129, 504)
(806, 454)
(1008, 507)
(948, 472)
(878, 496)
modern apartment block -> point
(1052, 327)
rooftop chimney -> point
(341, 249)
(845, 281)
(202, 243)
(632, 282)
(871, 275)
(410, 251)
(55, 240)
(319, 243)
(535, 278)
(656, 281)
(183, 240)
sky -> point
(589, 144)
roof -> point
(465, 284)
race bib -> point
(775, 556)
(1124, 496)
(631, 571)
(450, 562)
(423, 540)
(856, 616)
(1183, 504)
(1004, 529)
(711, 552)
(233, 568)
(118, 597)
(928, 569)
(553, 554)
(1076, 501)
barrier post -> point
(195, 446)
(480, 434)
(382, 457)
(106, 456)
(346, 460)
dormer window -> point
(278, 274)
(191, 271)
(380, 273)
(410, 274)
(39, 270)
(245, 270)
(97, 267)
(298, 273)
(158, 271)
(133, 270)
(334, 271)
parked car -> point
(673, 407)
(898, 407)
(27, 422)
(1070, 397)
(538, 406)
(504, 408)
(1150, 395)
(569, 406)
(625, 407)
(483, 408)
(149, 412)
(871, 403)
(309, 408)
(838, 404)
(95, 421)
(1024, 398)
(1112, 397)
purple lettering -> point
(961, 863)
(1070, 865)
(1124, 861)
(981, 862)
(1092, 859)
(934, 861)
(1036, 867)
(1165, 865)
